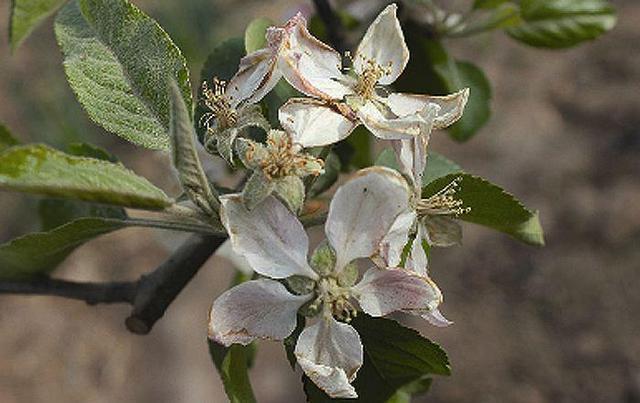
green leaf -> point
(232, 363)
(255, 34)
(492, 207)
(562, 23)
(26, 15)
(43, 170)
(39, 253)
(118, 62)
(404, 394)
(394, 357)
(6, 139)
(329, 177)
(438, 166)
(56, 212)
(91, 151)
(185, 156)
(222, 63)
(432, 70)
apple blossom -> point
(275, 245)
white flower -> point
(346, 100)
(275, 245)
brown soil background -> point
(552, 324)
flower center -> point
(283, 158)
(444, 202)
(368, 79)
(218, 103)
(336, 299)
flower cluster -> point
(373, 216)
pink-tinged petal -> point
(384, 44)
(389, 126)
(362, 212)
(257, 75)
(257, 309)
(238, 262)
(383, 291)
(270, 237)
(330, 354)
(450, 107)
(417, 260)
(392, 245)
(313, 123)
(436, 318)
(309, 65)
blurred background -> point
(552, 324)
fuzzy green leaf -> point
(26, 15)
(6, 139)
(255, 34)
(57, 212)
(39, 253)
(118, 61)
(43, 170)
(492, 207)
(562, 23)
(394, 357)
(290, 190)
(232, 365)
(185, 156)
(91, 151)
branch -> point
(335, 31)
(150, 295)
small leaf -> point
(328, 178)
(118, 62)
(395, 357)
(43, 170)
(89, 150)
(257, 188)
(562, 24)
(232, 365)
(290, 190)
(404, 394)
(492, 207)
(6, 139)
(438, 166)
(26, 15)
(39, 253)
(55, 212)
(185, 156)
(255, 34)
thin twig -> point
(150, 295)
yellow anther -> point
(443, 202)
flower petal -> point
(313, 123)
(330, 354)
(392, 245)
(384, 43)
(436, 318)
(450, 106)
(270, 237)
(442, 231)
(389, 126)
(363, 211)
(256, 76)
(417, 261)
(383, 291)
(238, 262)
(257, 309)
(309, 65)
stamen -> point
(216, 100)
(368, 79)
(283, 158)
(336, 299)
(444, 202)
